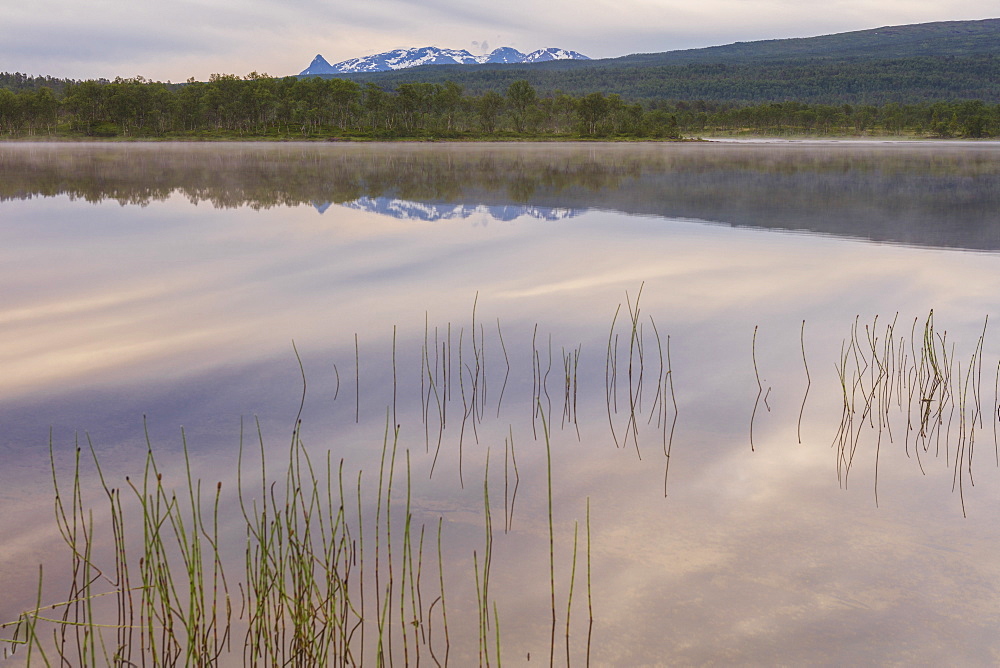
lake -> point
(609, 404)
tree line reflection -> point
(925, 194)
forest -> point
(810, 80)
(258, 106)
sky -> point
(173, 40)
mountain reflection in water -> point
(430, 211)
(921, 194)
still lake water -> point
(475, 295)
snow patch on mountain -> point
(504, 54)
(543, 55)
(431, 55)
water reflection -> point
(427, 211)
(940, 195)
(460, 334)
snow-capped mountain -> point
(551, 53)
(432, 55)
(504, 54)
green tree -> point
(414, 101)
(488, 109)
(374, 102)
(592, 110)
(660, 125)
(41, 109)
(448, 102)
(86, 100)
(11, 112)
(973, 119)
(522, 99)
(344, 97)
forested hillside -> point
(902, 64)
(940, 39)
(905, 81)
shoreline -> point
(704, 139)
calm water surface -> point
(775, 292)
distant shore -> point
(499, 138)
(707, 138)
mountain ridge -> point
(906, 40)
(905, 64)
(399, 59)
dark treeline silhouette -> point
(259, 106)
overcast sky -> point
(177, 39)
